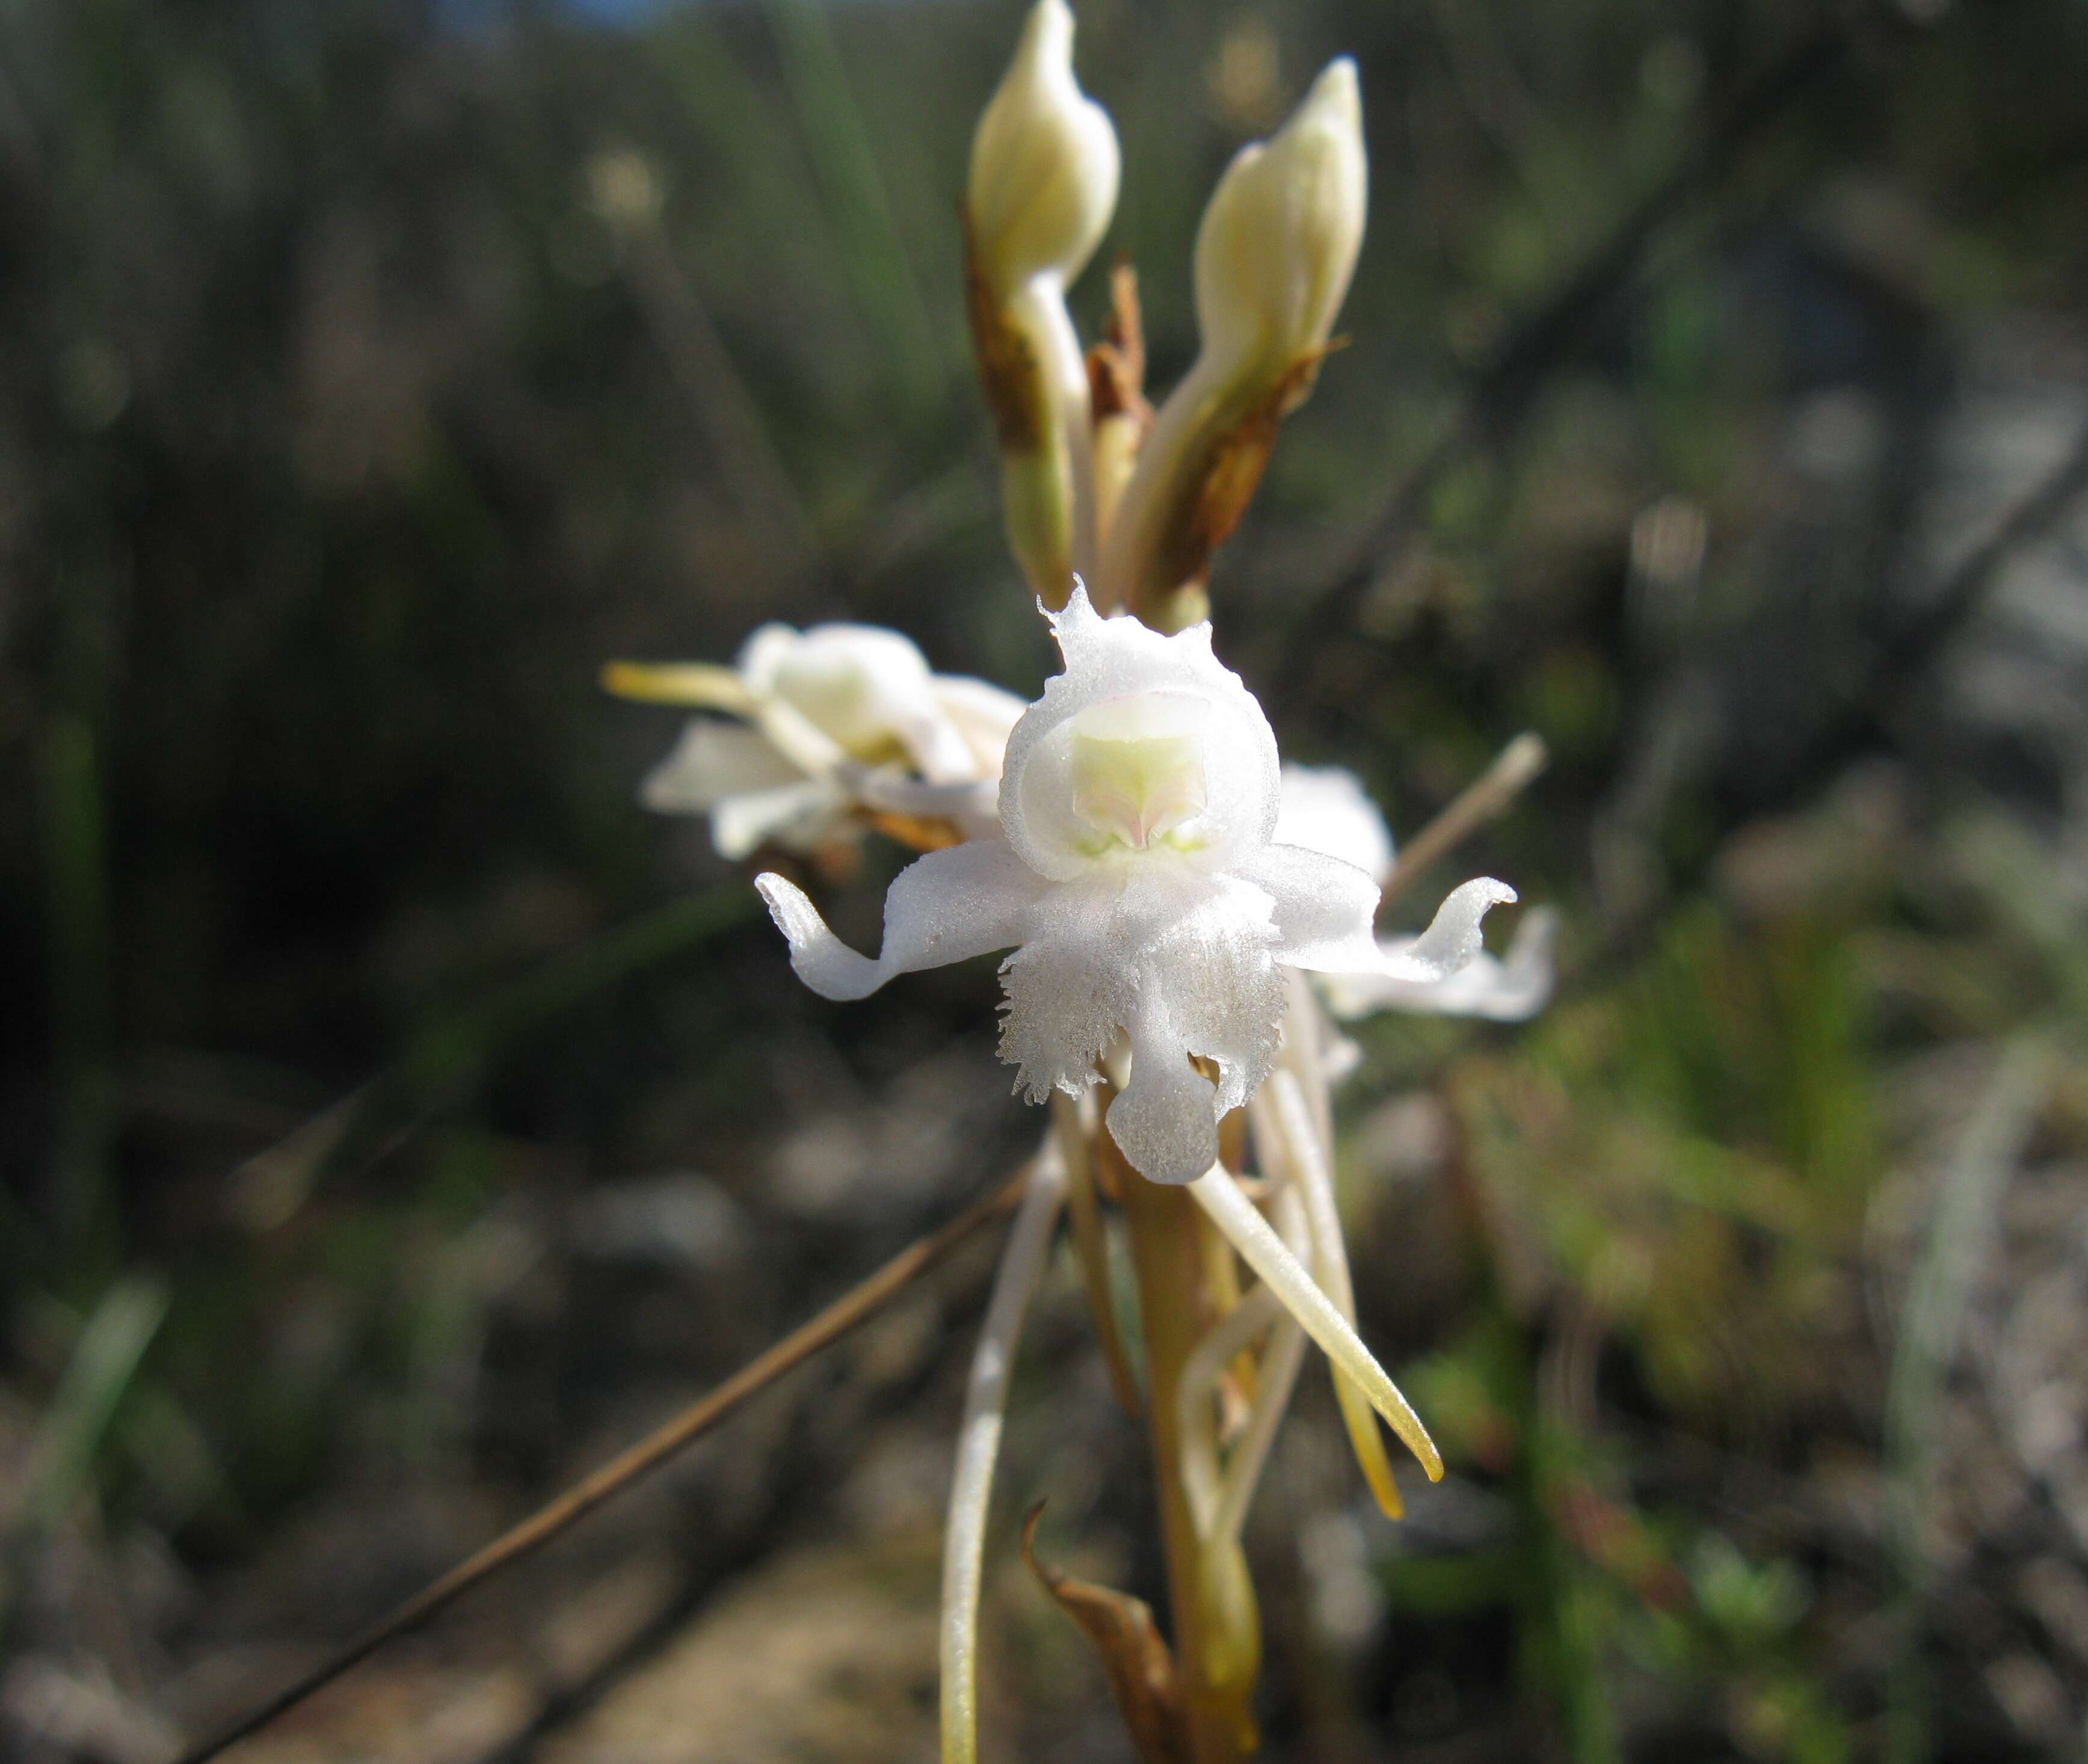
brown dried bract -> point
(1007, 364)
(1116, 366)
(1135, 1657)
(921, 833)
(1232, 471)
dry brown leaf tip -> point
(1135, 1656)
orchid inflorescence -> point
(1164, 886)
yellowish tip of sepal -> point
(691, 685)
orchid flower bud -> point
(1043, 186)
(1044, 163)
(1142, 889)
(1274, 256)
(1279, 240)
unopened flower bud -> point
(1279, 242)
(1274, 255)
(1044, 162)
(1043, 186)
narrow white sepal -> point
(1263, 1251)
(1509, 990)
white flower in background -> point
(1149, 908)
(1326, 809)
(832, 721)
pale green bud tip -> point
(1279, 242)
(1044, 161)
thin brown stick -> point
(548, 1521)
(1486, 796)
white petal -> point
(1324, 908)
(1325, 808)
(941, 908)
(799, 817)
(1072, 986)
(1506, 990)
(937, 747)
(1166, 1120)
(982, 714)
(853, 690)
(1225, 993)
(1176, 960)
(713, 760)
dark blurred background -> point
(394, 1120)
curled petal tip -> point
(1455, 935)
(819, 958)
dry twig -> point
(548, 1521)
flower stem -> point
(1218, 1630)
(1091, 1243)
(978, 1447)
(1194, 1395)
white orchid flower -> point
(1326, 809)
(832, 721)
(1149, 906)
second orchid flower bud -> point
(1274, 256)
(1043, 186)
